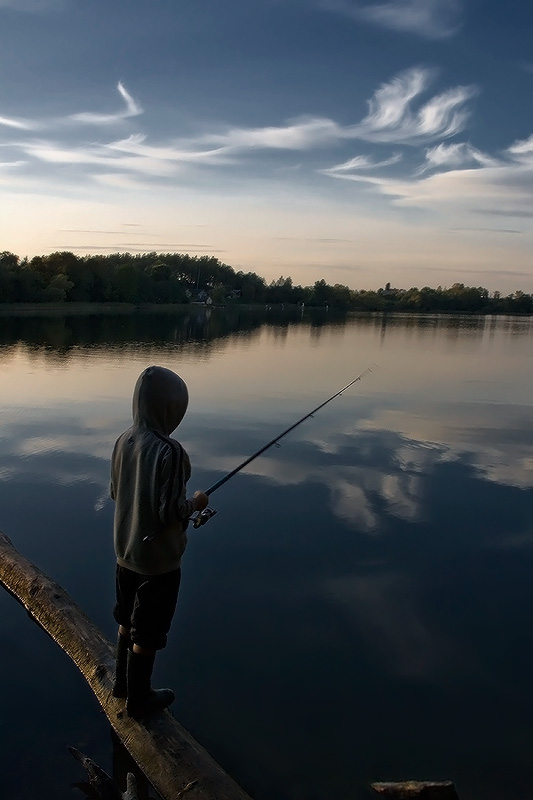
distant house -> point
(388, 291)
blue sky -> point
(360, 142)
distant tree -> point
(321, 293)
(521, 302)
(280, 290)
(252, 287)
(56, 291)
(340, 296)
(9, 277)
(126, 283)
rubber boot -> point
(142, 699)
(120, 687)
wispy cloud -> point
(456, 155)
(391, 118)
(119, 180)
(523, 148)
(134, 145)
(35, 6)
(432, 19)
(319, 239)
(400, 113)
(124, 156)
(508, 184)
(132, 109)
(140, 247)
(487, 230)
(517, 213)
(396, 114)
(463, 178)
(496, 273)
(359, 163)
(93, 230)
(18, 124)
(302, 133)
(100, 155)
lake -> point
(360, 607)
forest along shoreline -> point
(63, 278)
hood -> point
(160, 400)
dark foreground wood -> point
(417, 790)
(172, 760)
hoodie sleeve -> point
(174, 474)
(112, 493)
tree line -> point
(63, 277)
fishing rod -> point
(204, 516)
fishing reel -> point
(202, 517)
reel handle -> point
(202, 517)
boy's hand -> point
(201, 500)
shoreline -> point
(83, 309)
(98, 309)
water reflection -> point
(61, 334)
(359, 608)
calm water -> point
(359, 609)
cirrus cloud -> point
(391, 118)
(132, 109)
(18, 124)
(456, 155)
(431, 19)
(397, 114)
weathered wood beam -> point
(99, 785)
(172, 760)
(417, 790)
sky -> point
(360, 142)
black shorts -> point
(146, 605)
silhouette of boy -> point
(149, 474)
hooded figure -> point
(149, 474)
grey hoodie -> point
(149, 473)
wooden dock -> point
(172, 760)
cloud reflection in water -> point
(377, 566)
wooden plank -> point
(172, 760)
(419, 790)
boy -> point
(149, 473)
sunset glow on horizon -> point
(358, 142)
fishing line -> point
(204, 516)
